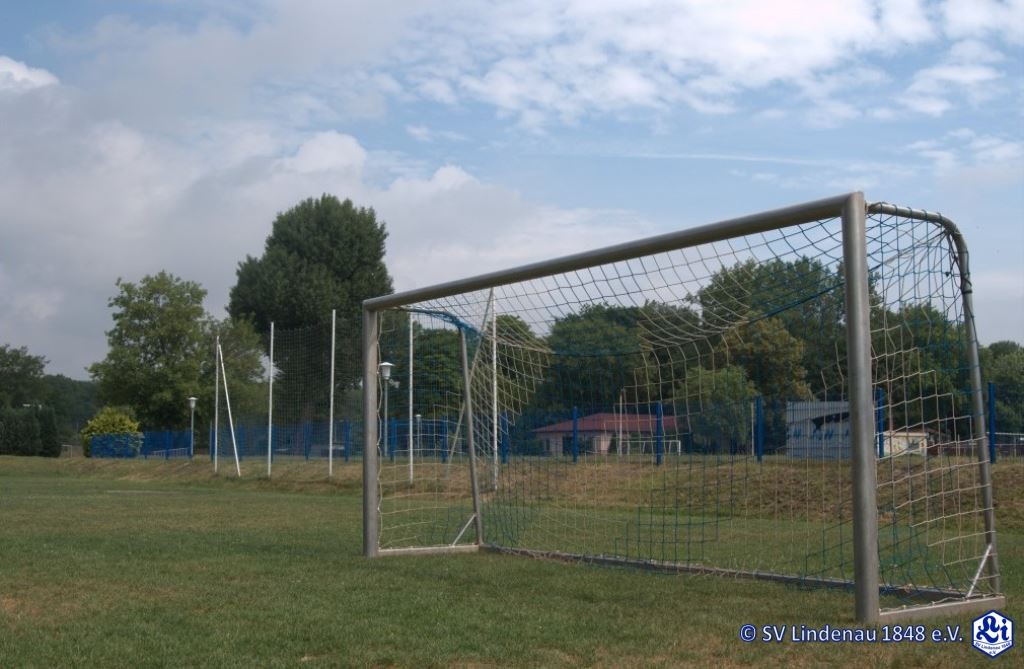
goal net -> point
(791, 395)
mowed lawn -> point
(138, 564)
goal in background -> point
(793, 395)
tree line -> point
(774, 329)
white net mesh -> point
(688, 409)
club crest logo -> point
(992, 633)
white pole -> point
(753, 437)
(227, 402)
(494, 388)
(410, 399)
(622, 408)
(330, 412)
(216, 403)
(270, 403)
(419, 432)
(192, 427)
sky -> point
(146, 135)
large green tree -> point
(21, 377)
(73, 402)
(161, 352)
(804, 295)
(596, 355)
(1003, 365)
(322, 254)
(156, 348)
(717, 403)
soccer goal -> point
(738, 399)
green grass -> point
(162, 564)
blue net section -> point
(162, 444)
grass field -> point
(135, 564)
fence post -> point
(880, 418)
(575, 434)
(444, 440)
(659, 433)
(759, 427)
(991, 422)
(504, 438)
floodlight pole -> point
(270, 403)
(192, 426)
(330, 411)
(216, 402)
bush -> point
(19, 432)
(108, 420)
(49, 436)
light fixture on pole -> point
(192, 426)
(385, 375)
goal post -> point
(773, 369)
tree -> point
(773, 361)
(717, 404)
(161, 352)
(1006, 371)
(21, 377)
(322, 254)
(73, 402)
(921, 364)
(28, 431)
(595, 355)
(804, 295)
(156, 348)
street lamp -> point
(385, 375)
(192, 427)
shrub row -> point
(29, 431)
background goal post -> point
(804, 382)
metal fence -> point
(152, 444)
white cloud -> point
(17, 76)
(173, 145)
(535, 61)
(328, 152)
(539, 60)
(85, 201)
(968, 72)
(964, 148)
(979, 18)
(422, 133)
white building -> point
(821, 430)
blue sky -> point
(140, 136)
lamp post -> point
(385, 375)
(192, 426)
